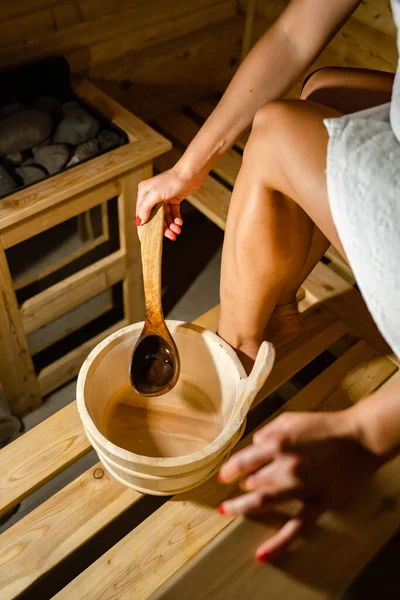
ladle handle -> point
(151, 239)
(250, 387)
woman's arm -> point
(282, 55)
(270, 70)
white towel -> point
(363, 178)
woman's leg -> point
(272, 243)
(280, 192)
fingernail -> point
(138, 221)
(264, 557)
(220, 478)
(221, 509)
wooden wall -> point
(153, 55)
(135, 49)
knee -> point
(318, 80)
(271, 116)
(268, 130)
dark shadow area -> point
(185, 259)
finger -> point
(254, 503)
(288, 533)
(175, 228)
(170, 235)
(280, 475)
(167, 215)
(176, 214)
(244, 462)
(149, 199)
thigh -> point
(348, 89)
(294, 140)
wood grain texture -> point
(133, 294)
(328, 287)
(159, 79)
(72, 291)
(89, 36)
(158, 380)
(176, 532)
(67, 367)
(41, 453)
(53, 215)
(17, 374)
(59, 526)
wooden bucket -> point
(171, 443)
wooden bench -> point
(185, 535)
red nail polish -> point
(220, 478)
(138, 221)
(264, 557)
(221, 509)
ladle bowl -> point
(171, 443)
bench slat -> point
(336, 552)
(143, 560)
(57, 527)
(40, 454)
(63, 531)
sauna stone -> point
(30, 174)
(11, 109)
(23, 130)
(109, 140)
(50, 105)
(52, 158)
(77, 125)
(15, 159)
(84, 151)
(7, 183)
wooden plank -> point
(76, 319)
(72, 291)
(143, 560)
(133, 292)
(204, 108)
(339, 265)
(145, 144)
(212, 199)
(163, 28)
(40, 454)
(326, 286)
(54, 215)
(67, 367)
(17, 374)
(59, 526)
(137, 24)
(154, 81)
(183, 129)
(377, 14)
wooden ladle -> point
(155, 364)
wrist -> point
(369, 429)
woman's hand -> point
(313, 457)
(170, 187)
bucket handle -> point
(249, 387)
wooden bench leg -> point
(133, 294)
(17, 374)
